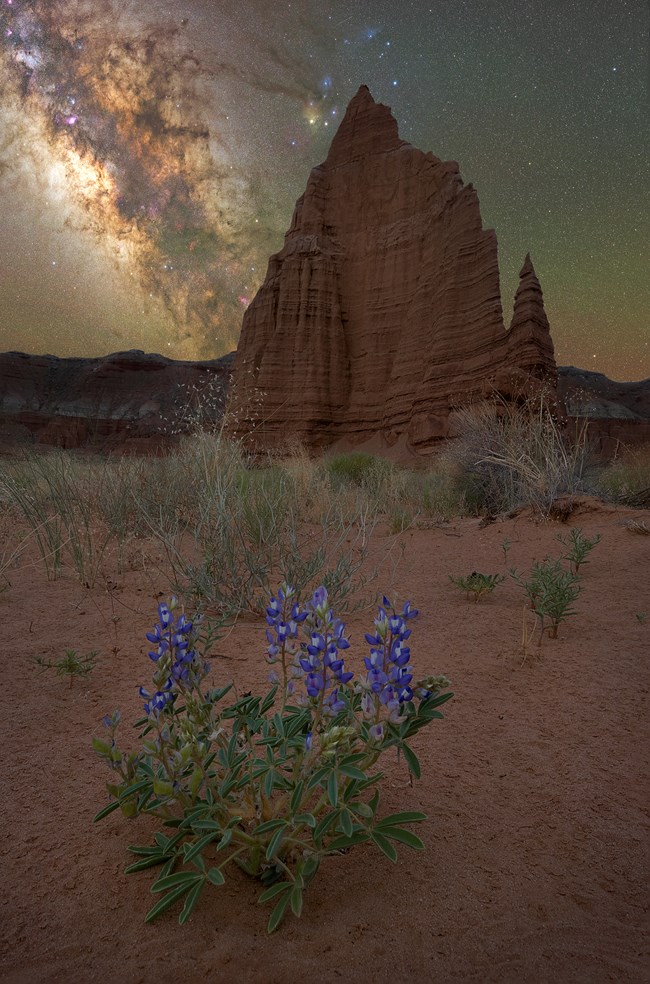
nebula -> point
(116, 116)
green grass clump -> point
(477, 585)
(71, 664)
(626, 479)
(358, 468)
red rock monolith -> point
(382, 311)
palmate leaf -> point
(344, 842)
(146, 863)
(191, 850)
(165, 902)
(187, 878)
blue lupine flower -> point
(283, 615)
(155, 703)
(173, 636)
(388, 677)
(320, 661)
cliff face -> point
(383, 310)
(125, 401)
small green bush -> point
(358, 468)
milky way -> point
(116, 111)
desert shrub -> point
(516, 455)
(358, 468)
(272, 783)
(71, 664)
(579, 547)
(626, 479)
(476, 585)
(551, 591)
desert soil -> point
(535, 786)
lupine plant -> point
(551, 591)
(476, 584)
(71, 664)
(271, 783)
(579, 547)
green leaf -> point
(362, 809)
(195, 781)
(162, 787)
(403, 836)
(296, 900)
(268, 825)
(267, 703)
(269, 783)
(278, 913)
(307, 818)
(274, 890)
(310, 867)
(101, 747)
(351, 790)
(190, 902)
(384, 845)
(225, 840)
(408, 816)
(134, 788)
(274, 843)
(187, 878)
(206, 825)
(146, 863)
(107, 809)
(352, 772)
(165, 902)
(296, 797)
(344, 842)
(374, 802)
(215, 876)
(345, 823)
(323, 825)
(317, 777)
(145, 852)
(192, 850)
(411, 761)
(333, 788)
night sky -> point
(151, 155)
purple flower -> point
(388, 677)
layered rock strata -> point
(382, 312)
(127, 401)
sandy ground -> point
(535, 785)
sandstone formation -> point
(128, 401)
(382, 312)
(616, 414)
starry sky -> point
(151, 155)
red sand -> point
(535, 785)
